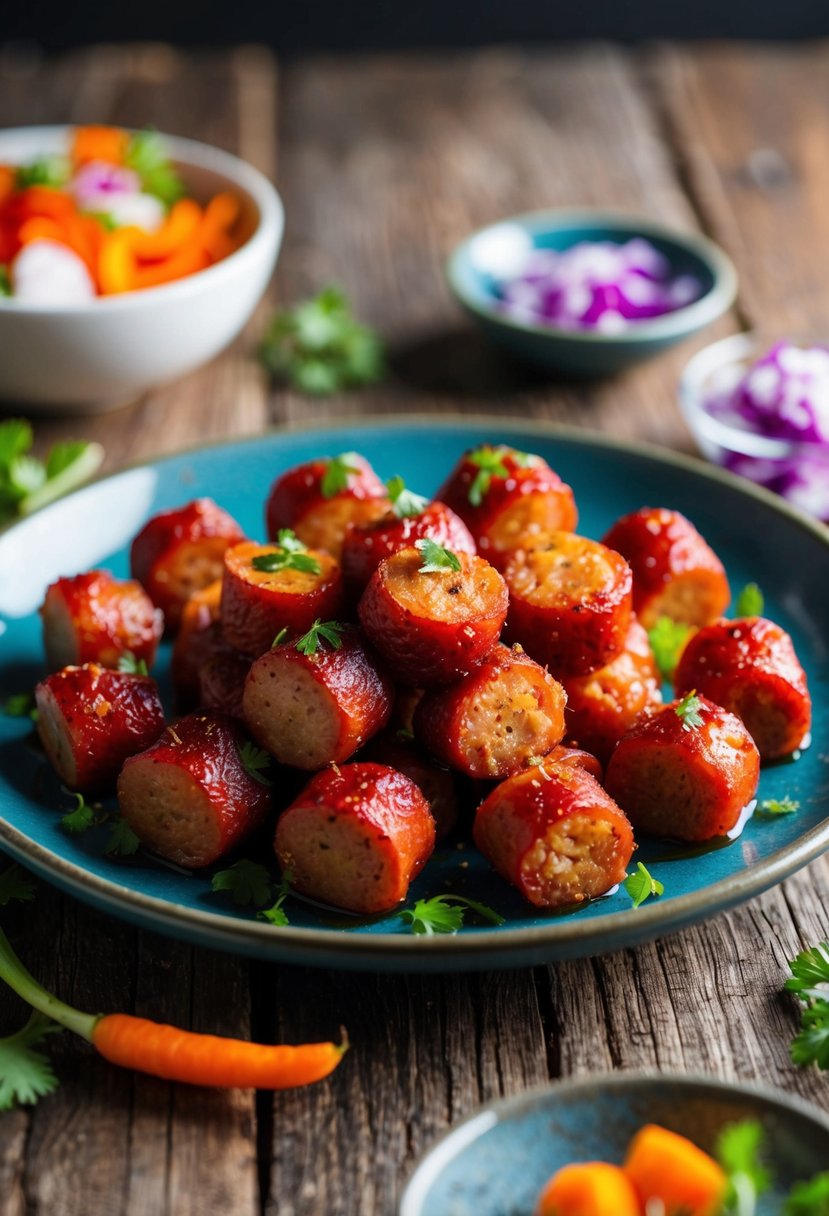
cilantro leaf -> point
(123, 841)
(641, 885)
(811, 1043)
(321, 631)
(132, 666)
(276, 914)
(809, 1198)
(280, 637)
(335, 478)
(290, 542)
(255, 762)
(667, 638)
(750, 601)
(809, 968)
(405, 503)
(26, 1074)
(147, 156)
(80, 819)
(15, 884)
(738, 1151)
(688, 711)
(290, 554)
(246, 881)
(319, 347)
(20, 705)
(779, 806)
(436, 559)
(490, 463)
(68, 466)
(810, 983)
(445, 914)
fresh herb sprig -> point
(490, 463)
(405, 503)
(330, 632)
(750, 601)
(773, 807)
(51, 171)
(291, 554)
(641, 885)
(688, 711)
(255, 762)
(436, 559)
(810, 984)
(147, 156)
(337, 472)
(667, 638)
(132, 666)
(445, 914)
(27, 483)
(739, 1152)
(319, 347)
(249, 884)
(20, 705)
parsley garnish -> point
(436, 559)
(779, 806)
(405, 503)
(688, 711)
(810, 983)
(122, 841)
(321, 631)
(445, 914)
(335, 478)
(80, 819)
(276, 914)
(738, 1152)
(147, 156)
(27, 483)
(247, 881)
(291, 554)
(26, 1074)
(132, 666)
(280, 637)
(490, 463)
(667, 639)
(21, 705)
(809, 1198)
(319, 347)
(255, 762)
(15, 884)
(641, 885)
(750, 601)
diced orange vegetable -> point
(590, 1189)
(180, 226)
(187, 260)
(99, 143)
(663, 1165)
(41, 200)
(116, 262)
(41, 228)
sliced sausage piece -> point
(90, 720)
(602, 706)
(576, 758)
(179, 552)
(504, 495)
(749, 666)
(675, 572)
(492, 721)
(313, 709)
(95, 618)
(320, 500)
(189, 797)
(570, 602)
(366, 545)
(222, 678)
(554, 833)
(194, 642)
(257, 604)
(356, 837)
(687, 771)
(432, 627)
(397, 751)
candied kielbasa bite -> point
(503, 495)
(190, 797)
(555, 834)
(320, 500)
(267, 588)
(179, 552)
(356, 837)
(569, 602)
(90, 720)
(396, 750)
(675, 572)
(316, 701)
(194, 642)
(602, 706)
(687, 771)
(576, 757)
(95, 618)
(489, 723)
(433, 614)
(749, 666)
(222, 678)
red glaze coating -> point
(95, 618)
(355, 837)
(90, 720)
(577, 758)
(189, 797)
(436, 782)
(529, 499)
(433, 628)
(675, 572)
(366, 545)
(570, 602)
(555, 834)
(194, 642)
(493, 720)
(602, 706)
(222, 678)
(179, 552)
(750, 667)
(296, 501)
(686, 783)
(316, 709)
(256, 606)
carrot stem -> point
(27, 987)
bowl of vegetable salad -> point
(127, 258)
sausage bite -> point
(194, 642)
(432, 621)
(90, 720)
(355, 837)
(189, 797)
(95, 618)
(750, 667)
(320, 500)
(675, 572)
(396, 750)
(569, 602)
(492, 721)
(222, 677)
(366, 545)
(312, 707)
(555, 834)
(503, 496)
(180, 551)
(687, 771)
(267, 588)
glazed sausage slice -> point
(355, 837)
(90, 720)
(366, 545)
(492, 721)
(750, 667)
(396, 750)
(320, 500)
(95, 618)
(189, 797)
(504, 495)
(222, 677)
(433, 626)
(194, 642)
(685, 775)
(268, 588)
(570, 602)
(555, 834)
(675, 572)
(318, 708)
(576, 757)
(178, 552)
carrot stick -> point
(179, 227)
(42, 228)
(186, 260)
(99, 143)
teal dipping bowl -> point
(489, 257)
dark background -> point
(299, 26)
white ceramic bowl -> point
(100, 355)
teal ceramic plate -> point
(496, 1162)
(757, 537)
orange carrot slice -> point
(663, 1165)
(590, 1189)
(99, 143)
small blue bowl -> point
(494, 254)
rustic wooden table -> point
(384, 163)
